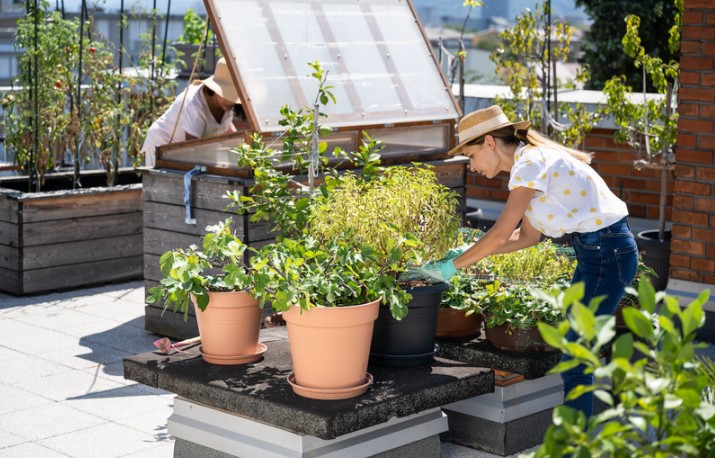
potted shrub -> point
(650, 127)
(329, 293)
(376, 212)
(196, 47)
(512, 303)
(215, 280)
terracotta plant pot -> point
(229, 328)
(454, 323)
(410, 341)
(521, 340)
(329, 348)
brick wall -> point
(640, 189)
(693, 247)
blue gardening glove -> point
(434, 272)
(454, 253)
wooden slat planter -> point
(165, 227)
(65, 239)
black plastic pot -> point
(410, 341)
(656, 255)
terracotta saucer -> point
(239, 359)
(330, 393)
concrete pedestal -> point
(510, 420)
(202, 431)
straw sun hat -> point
(481, 122)
(221, 83)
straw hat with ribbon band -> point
(221, 83)
(479, 123)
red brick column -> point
(692, 255)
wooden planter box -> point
(62, 239)
(165, 227)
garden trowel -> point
(165, 346)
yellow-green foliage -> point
(400, 201)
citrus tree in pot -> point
(215, 280)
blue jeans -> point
(607, 263)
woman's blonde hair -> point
(510, 136)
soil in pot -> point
(452, 323)
(516, 340)
(329, 348)
(229, 328)
(410, 341)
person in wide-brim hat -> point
(205, 108)
(553, 191)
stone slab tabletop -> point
(476, 351)
(261, 392)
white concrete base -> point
(687, 291)
(243, 437)
(514, 401)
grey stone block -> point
(499, 438)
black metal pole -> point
(75, 176)
(115, 151)
(34, 183)
(166, 33)
(153, 52)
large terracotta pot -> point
(329, 347)
(454, 323)
(229, 328)
(522, 340)
(410, 341)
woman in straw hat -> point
(205, 108)
(552, 191)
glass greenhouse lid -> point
(378, 59)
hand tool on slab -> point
(165, 346)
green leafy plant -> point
(397, 201)
(217, 267)
(518, 305)
(510, 285)
(194, 29)
(462, 293)
(308, 273)
(525, 60)
(658, 404)
(650, 126)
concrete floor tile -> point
(54, 318)
(73, 384)
(13, 399)
(105, 440)
(154, 423)
(30, 339)
(27, 368)
(118, 403)
(163, 450)
(28, 450)
(47, 420)
(84, 356)
(8, 439)
(8, 353)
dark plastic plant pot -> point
(656, 255)
(410, 341)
